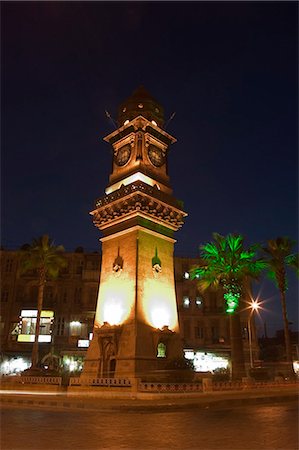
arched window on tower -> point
(161, 350)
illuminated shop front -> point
(206, 361)
(72, 363)
(27, 326)
(14, 365)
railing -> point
(106, 382)
(170, 387)
(32, 380)
(273, 383)
(239, 385)
(227, 386)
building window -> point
(187, 329)
(45, 325)
(215, 334)
(4, 295)
(92, 264)
(48, 293)
(161, 350)
(199, 331)
(92, 296)
(8, 265)
(79, 267)
(27, 326)
(213, 301)
(64, 297)
(60, 326)
(64, 270)
(186, 302)
(199, 302)
(75, 328)
(78, 292)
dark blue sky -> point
(228, 70)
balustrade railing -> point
(106, 382)
(239, 385)
(31, 380)
(170, 387)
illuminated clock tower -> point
(136, 327)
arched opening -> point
(161, 350)
(112, 365)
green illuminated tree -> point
(47, 259)
(279, 257)
(228, 266)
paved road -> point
(252, 427)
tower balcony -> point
(138, 199)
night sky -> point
(228, 70)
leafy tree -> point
(279, 257)
(47, 259)
(227, 265)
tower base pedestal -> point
(115, 352)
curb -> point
(11, 400)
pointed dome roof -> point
(141, 103)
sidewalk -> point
(62, 401)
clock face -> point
(156, 156)
(123, 155)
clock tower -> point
(136, 327)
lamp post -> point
(254, 306)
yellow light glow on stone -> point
(138, 176)
(113, 312)
(115, 300)
(160, 317)
(159, 304)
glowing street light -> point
(254, 306)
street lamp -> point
(254, 306)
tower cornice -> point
(140, 123)
(138, 199)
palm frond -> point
(279, 256)
(43, 255)
(234, 242)
(227, 263)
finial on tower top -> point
(141, 103)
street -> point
(268, 427)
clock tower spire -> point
(136, 323)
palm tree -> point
(228, 266)
(47, 259)
(279, 258)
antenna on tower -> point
(169, 120)
(108, 115)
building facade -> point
(68, 309)
(70, 306)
